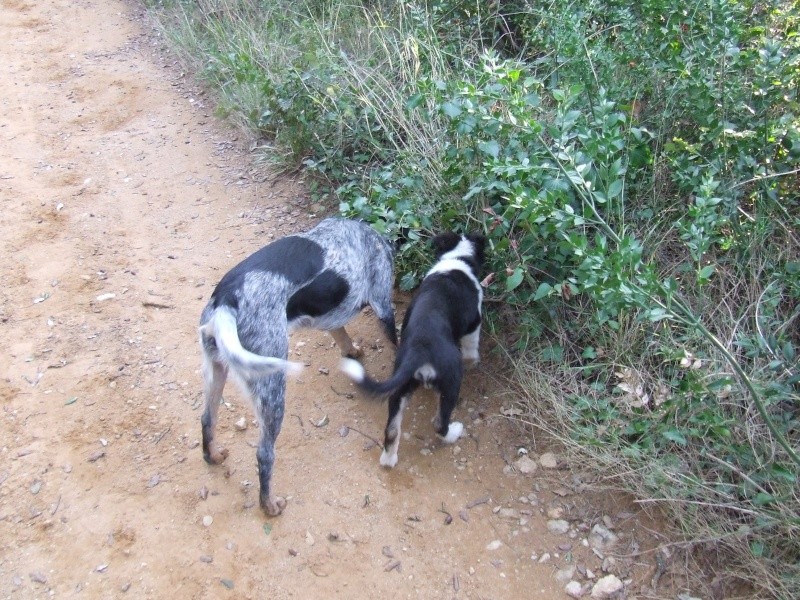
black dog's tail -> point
(355, 371)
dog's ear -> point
(479, 243)
(444, 242)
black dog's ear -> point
(444, 242)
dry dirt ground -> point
(123, 203)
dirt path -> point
(123, 202)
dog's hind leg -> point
(391, 440)
(268, 395)
(214, 375)
(448, 398)
(346, 345)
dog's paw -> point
(470, 362)
(388, 460)
(454, 431)
(353, 352)
(273, 506)
(216, 455)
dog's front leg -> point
(346, 345)
(469, 348)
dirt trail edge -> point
(123, 203)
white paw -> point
(388, 460)
(454, 432)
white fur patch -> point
(426, 373)
(389, 459)
(353, 369)
(454, 432)
(469, 346)
(449, 263)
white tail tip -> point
(353, 369)
(294, 368)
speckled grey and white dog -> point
(319, 279)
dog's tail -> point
(355, 371)
(222, 328)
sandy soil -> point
(123, 203)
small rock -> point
(544, 558)
(97, 455)
(101, 568)
(574, 589)
(609, 564)
(508, 513)
(125, 587)
(601, 538)
(565, 575)
(558, 526)
(525, 465)
(548, 460)
(309, 538)
(494, 545)
(36, 487)
(203, 493)
(324, 371)
(38, 577)
(16, 580)
(227, 583)
(555, 512)
(241, 424)
(606, 587)
(208, 520)
(206, 558)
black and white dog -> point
(319, 279)
(440, 330)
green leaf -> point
(757, 548)
(674, 435)
(614, 189)
(451, 110)
(543, 290)
(491, 148)
(761, 499)
(267, 528)
(705, 273)
(514, 279)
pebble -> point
(557, 526)
(37, 485)
(206, 558)
(601, 538)
(574, 589)
(38, 577)
(565, 575)
(241, 424)
(606, 587)
(548, 460)
(208, 520)
(494, 545)
(525, 465)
